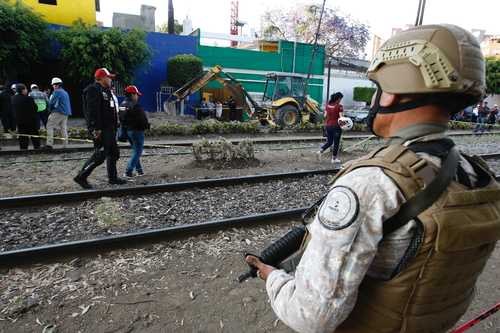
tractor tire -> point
(287, 116)
(315, 118)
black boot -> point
(82, 181)
(87, 169)
(117, 181)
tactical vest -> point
(457, 235)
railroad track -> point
(177, 153)
(40, 253)
(189, 143)
(67, 197)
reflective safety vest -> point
(436, 284)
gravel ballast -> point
(22, 228)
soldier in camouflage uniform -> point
(399, 241)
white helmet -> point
(34, 86)
(13, 87)
(56, 80)
(345, 123)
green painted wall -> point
(254, 65)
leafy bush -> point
(363, 94)
(182, 68)
(460, 125)
(213, 126)
(493, 75)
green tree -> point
(86, 48)
(493, 75)
(24, 40)
(342, 35)
(363, 94)
(182, 68)
(164, 28)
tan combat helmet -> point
(430, 59)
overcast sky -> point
(380, 15)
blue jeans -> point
(137, 138)
(333, 135)
(480, 124)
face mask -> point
(376, 108)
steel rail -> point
(489, 156)
(51, 251)
(178, 153)
(188, 143)
(66, 197)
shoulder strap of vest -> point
(408, 163)
(426, 197)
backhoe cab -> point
(285, 102)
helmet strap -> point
(377, 108)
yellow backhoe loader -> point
(283, 102)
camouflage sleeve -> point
(344, 238)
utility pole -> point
(420, 12)
(315, 48)
(233, 30)
(328, 82)
(171, 17)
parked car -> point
(357, 115)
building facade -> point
(345, 75)
(144, 21)
(491, 46)
(250, 67)
(63, 12)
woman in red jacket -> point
(334, 110)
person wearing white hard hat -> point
(333, 112)
(42, 104)
(60, 110)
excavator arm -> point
(197, 83)
(228, 81)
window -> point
(48, 2)
(97, 6)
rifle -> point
(284, 247)
(278, 251)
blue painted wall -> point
(151, 76)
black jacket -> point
(99, 109)
(5, 102)
(25, 111)
(133, 117)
